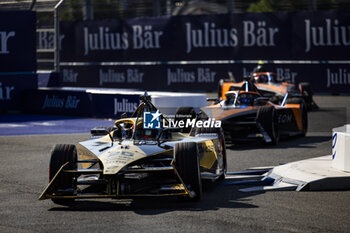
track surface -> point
(17, 124)
(23, 175)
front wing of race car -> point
(168, 178)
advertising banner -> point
(114, 105)
(11, 90)
(322, 77)
(49, 101)
(79, 103)
(273, 36)
(145, 77)
(194, 52)
(17, 41)
(17, 57)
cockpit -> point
(265, 77)
(247, 98)
(237, 98)
(134, 128)
(246, 95)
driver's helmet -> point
(127, 132)
(260, 78)
(247, 98)
(259, 68)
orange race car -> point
(246, 114)
(269, 86)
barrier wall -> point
(194, 52)
(12, 88)
(17, 57)
(105, 103)
(323, 77)
(321, 35)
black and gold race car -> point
(135, 158)
(246, 114)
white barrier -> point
(341, 148)
(330, 172)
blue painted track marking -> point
(20, 124)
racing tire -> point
(61, 154)
(186, 161)
(221, 137)
(306, 92)
(180, 114)
(267, 117)
(304, 117)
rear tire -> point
(186, 159)
(61, 154)
(267, 117)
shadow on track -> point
(284, 143)
(215, 196)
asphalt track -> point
(24, 174)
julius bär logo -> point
(151, 120)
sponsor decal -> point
(123, 105)
(200, 75)
(334, 142)
(69, 76)
(209, 36)
(151, 120)
(339, 77)
(113, 76)
(56, 102)
(285, 118)
(5, 92)
(285, 74)
(331, 33)
(46, 40)
(142, 37)
(4, 37)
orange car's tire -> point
(267, 117)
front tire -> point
(60, 155)
(267, 117)
(186, 160)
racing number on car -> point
(125, 153)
